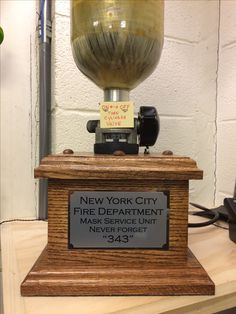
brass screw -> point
(167, 153)
(68, 151)
(119, 153)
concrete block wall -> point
(183, 89)
(193, 89)
(18, 98)
(226, 103)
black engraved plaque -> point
(118, 219)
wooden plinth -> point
(61, 270)
(52, 279)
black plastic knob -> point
(91, 126)
(149, 126)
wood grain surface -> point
(48, 278)
(137, 167)
(58, 203)
(64, 271)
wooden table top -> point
(22, 242)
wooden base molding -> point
(48, 278)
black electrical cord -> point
(20, 219)
(213, 215)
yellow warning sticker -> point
(118, 114)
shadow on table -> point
(229, 311)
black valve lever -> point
(149, 126)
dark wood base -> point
(48, 278)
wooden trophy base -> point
(51, 279)
(76, 263)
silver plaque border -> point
(165, 247)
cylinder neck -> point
(116, 95)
